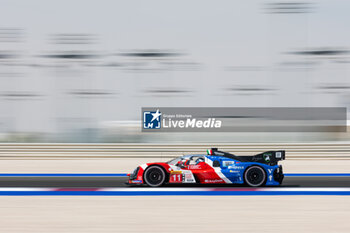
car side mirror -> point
(216, 163)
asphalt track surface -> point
(98, 182)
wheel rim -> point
(154, 176)
(255, 176)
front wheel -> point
(154, 176)
(255, 176)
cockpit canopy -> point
(188, 159)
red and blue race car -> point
(216, 167)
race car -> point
(215, 167)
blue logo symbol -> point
(151, 120)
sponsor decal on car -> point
(176, 172)
(278, 154)
(267, 157)
(232, 171)
(227, 163)
(194, 167)
(136, 181)
(213, 181)
(236, 167)
(189, 178)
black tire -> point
(154, 176)
(255, 176)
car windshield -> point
(174, 161)
(186, 157)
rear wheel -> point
(255, 176)
(154, 176)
